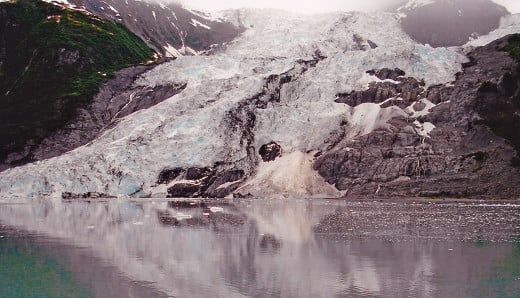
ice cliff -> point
(261, 116)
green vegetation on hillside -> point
(53, 61)
(513, 47)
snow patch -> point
(196, 23)
(171, 51)
(228, 184)
(368, 117)
(60, 2)
(214, 17)
(424, 129)
(367, 78)
(414, 4)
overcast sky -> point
(304, 6)
(512, 5)
(311, 6)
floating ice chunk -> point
(181, 216)
(216, 209)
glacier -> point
(276, 82)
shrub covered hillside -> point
(52, 61)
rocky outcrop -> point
(470, 153)
(201, 182)
(392, 84)
(85, 196)
(270, 151)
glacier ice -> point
(206, 123)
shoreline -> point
(351, 199)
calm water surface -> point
(259, 248)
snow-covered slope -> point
(413, 4)
(278, 82)
(169, 28)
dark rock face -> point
(470, 153)
(88, 195)
(198, 173)
(201, 182)
(387, 73)
(270, 151)
(408, 89)
(452, 22)
(167, 176)
(184, 190)
(161, 25)
(225, 183)
(498, 103)
(438, 93)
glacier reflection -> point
(260, 248)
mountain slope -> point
(469, 147)
(339, 108)
(170, 29)
(53, 61)
(240, 104)
(449, 22)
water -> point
(259, 248)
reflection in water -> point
(287, 248)
(36, 266)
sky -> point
(302, 6)
(512, 5)
(311, 6)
